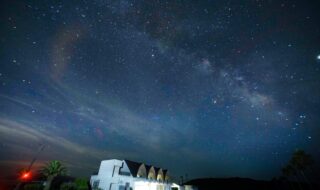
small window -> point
(95, 184)
(124, 173)
(127, 186)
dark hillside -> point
(247, 184)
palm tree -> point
(51, 170)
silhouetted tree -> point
(288, 171)
(300, 161)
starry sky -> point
(208, 88)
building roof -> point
(164, 172)
(133, 167)
(148, 167)
(156, 170)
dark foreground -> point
(249, 184)
(208, 184)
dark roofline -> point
(134, 168)
(148, 167)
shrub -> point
(68, 186)
(33, 187)
(81, 183)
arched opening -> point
(160, 176)
(152, 173)
(142, 172)
(166, 175)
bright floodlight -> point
(26, 175)
(146, 185)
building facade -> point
(128, 175)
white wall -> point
(109, 178)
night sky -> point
(207, 88)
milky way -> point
(207, 88)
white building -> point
(128, 175)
